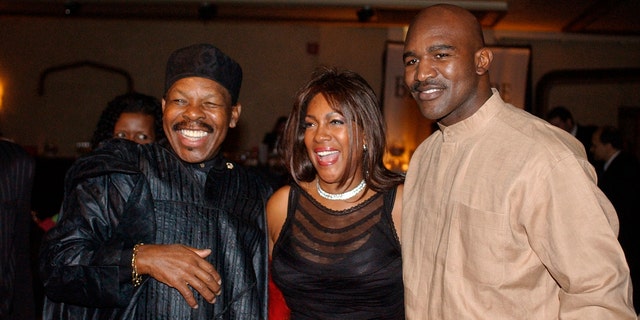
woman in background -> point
(333, 232)
(133, 116)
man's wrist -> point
(136, 278)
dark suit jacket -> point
(584, 134)
(16, 179)
(621, 183)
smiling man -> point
(164, 231)
(501, 217)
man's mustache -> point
(192, 125)
(423, 84)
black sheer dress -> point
(339, 264)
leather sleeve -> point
(85, 259)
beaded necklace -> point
(340, 196)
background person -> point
(619, 179)
(502, 217)
(333, 231)
(272, 138)
(159, 231)
(17, 169)
(562, 118)
(269, 160)
(133, 116)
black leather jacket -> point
(124, 194)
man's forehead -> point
(188, 84)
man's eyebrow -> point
(441, 47)
(407, 54)
(431, 49)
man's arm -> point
(85, 258)
(573, 229)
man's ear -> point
(235, 115)
(163, 103)
(483, 59)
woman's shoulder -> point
(399, 188)
(277, 211)
(279, 196)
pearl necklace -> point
(340, 196)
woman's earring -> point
(364, 147)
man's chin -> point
(190, 154)
(429, 113)
(191, 158)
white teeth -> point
(326, 153)
(431, 90)
(193, 134)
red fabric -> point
(46, 224)
(278, 309)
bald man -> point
(502, 216)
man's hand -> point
(179, 267)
